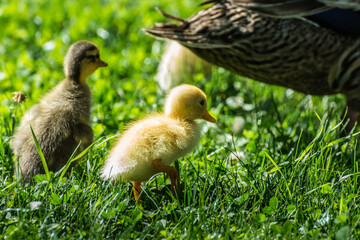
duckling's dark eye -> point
(202, 102)
(93, 57)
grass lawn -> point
(286, 174)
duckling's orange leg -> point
(171, 173)
(137, 189)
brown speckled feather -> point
(286, 52)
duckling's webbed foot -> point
(175, 180)
(137, 189)
(171, 173)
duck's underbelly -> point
(299, 76)
(144, 170)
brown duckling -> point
(62, 118)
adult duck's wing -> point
(283, 8)
(295, 8)
(342, 16)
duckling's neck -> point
(77, 80)
(177, 116)
(82, 79)
(75, 96)
(76, 74)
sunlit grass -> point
(284, 173)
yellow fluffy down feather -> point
(165, 137)
(156, 137)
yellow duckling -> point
(150, 145)
(62, 118)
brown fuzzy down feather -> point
(60, 121)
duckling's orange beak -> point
(208, 117)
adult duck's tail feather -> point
(203, 30)
(168, 30)
(167, 15)
(176, 33)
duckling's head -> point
(187, 102)
(81, 60)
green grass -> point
(286, 175)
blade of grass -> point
(278, 168)
(317, 115)
(43, 161)
(310, 146)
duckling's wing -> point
(130, 158)
(149, 139)
(57, 135)
(22, 133)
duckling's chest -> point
(184, 138)
(70, 100)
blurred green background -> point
(36, 35)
